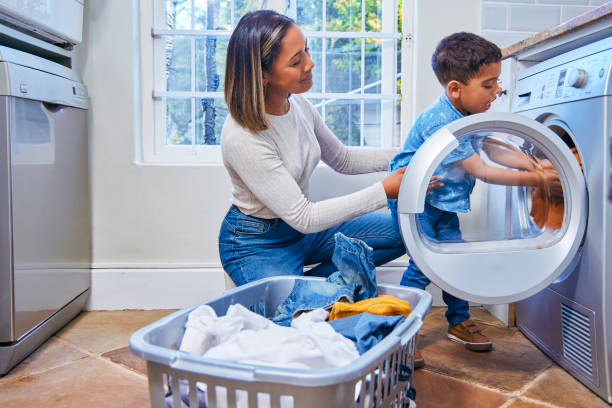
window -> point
(355, 44)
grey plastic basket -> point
(378, 378)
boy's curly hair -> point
(459, 56)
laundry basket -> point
(380, 377)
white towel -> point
(245, 336)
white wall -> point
(145, 218)
(155, 227)
(506, 22)
(434, 20)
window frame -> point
(152, 147)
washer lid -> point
(513, 240)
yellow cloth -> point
(382, 305)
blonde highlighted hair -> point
(253, 47)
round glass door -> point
(510, 215)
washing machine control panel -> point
(579, 79)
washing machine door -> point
(513, 240)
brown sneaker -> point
(468, 334)
(419, 361)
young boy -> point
(468, 67)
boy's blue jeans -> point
(253, 248)
(444, 226)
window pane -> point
(371, 123)
(210, 115)
(373, 18)
(317, 72)
(310, 15)
(210, 63)
(241, 7)
(178, 121)
(343, 65)
(224, 15)
(344, 15)
(343, 117)
(178, 14)
(373, 64)
(178, 63)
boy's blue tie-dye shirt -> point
(454, 196)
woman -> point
(271, 143)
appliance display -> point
(45, 232)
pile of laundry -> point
(321, 324)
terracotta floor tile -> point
(511, 365)
(51, 354)
(523, 403)
(103, 331)
(84, 383)
(125, 357)
(558, 387)
(60, 375)
(440, 391)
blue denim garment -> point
(441, 225)
(252, 248)
(366, 329)
(184, 395)
(458, 184)
(354, 280)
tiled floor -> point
(88, 364)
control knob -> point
(577, 78)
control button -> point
(577, 78)
(23, 88)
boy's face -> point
(476, 96)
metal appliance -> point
(58, 22)
(44, 202)
(572, 95)
(550, 252)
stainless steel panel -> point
(6, 265)
(51, 216)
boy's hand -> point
(393, 181)
(550, 182)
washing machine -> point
(545, 246)
(571, 94)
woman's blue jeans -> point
(253, 248)
(444, 226)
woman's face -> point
(291, 73)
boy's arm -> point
(495, 175)
(507, 155)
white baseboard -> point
(149, 288)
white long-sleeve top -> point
(270, 169)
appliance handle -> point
(54, 107)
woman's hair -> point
(253, 47)
(459, 56)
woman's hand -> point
(434, 183)
(393, 181)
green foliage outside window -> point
(343, 65)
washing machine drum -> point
(510, 216)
